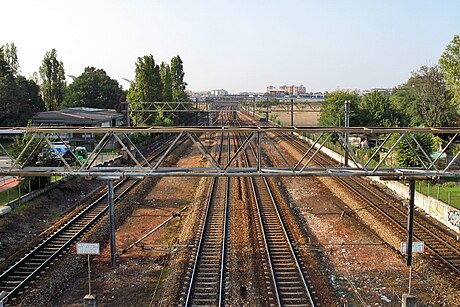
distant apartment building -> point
(291, 90)
(219, 92)
(273, 91)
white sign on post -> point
(417, 247)
(88, 248)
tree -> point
(406, 156)
(166, 81)
(147, 87)
(19, 97)
(4, 68)
(375, 111)
(426, 99)
(333, 109)
(11, 57)
(93, 88)
(450, 66)
(52, 81)
(147, 81)
(178, 84)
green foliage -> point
(34, 147)
(53, 83)
(375, 111)
(333, 109)
(438, 143)
(166, 81)
(147, 82)
(178, 84)
(156, 83)
(450, 66)
(93, 88)
(19, 97)
(425, 99)
(405, 154)
(147, 87)
(11, 57)
(402, 102)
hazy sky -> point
(238, 45)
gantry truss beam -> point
(181, 106)
(282, 105)
(264, 139)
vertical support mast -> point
(347, 124)
(113, 248)
(410, 227)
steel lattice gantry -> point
(262, 138)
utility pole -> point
(409, 300)
(347, 124)
(128, 118)
(196, 110)
(292, 112)
(113, 246)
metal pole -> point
(196, 113)
(113, 248)
(347, 124)
(410, 225)
(128, 118)
(266, 116)
(254, 108)
(89, 277)
(292, 112)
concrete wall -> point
(442, 212)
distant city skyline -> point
(239, 46)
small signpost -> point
(417, 247)
(88, 249)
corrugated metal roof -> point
(78, 115)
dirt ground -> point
(20, 226)
(360, 267)
(139, 274)
(300, 118)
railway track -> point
(26, 270)
(285, 272)
(17, 278)
(285, 277)
(207, 283)
(387, 208)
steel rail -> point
(279, 296)
(423, 232)
(61, 232)
(207, 225)
(225, 235)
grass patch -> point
(448, 193)
(10, 194)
